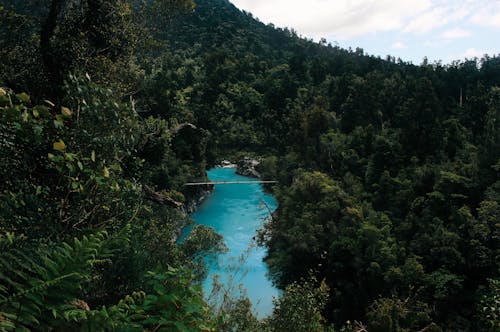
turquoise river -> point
(236, 212)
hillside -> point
(387, 170)
(224, 62)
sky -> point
(441, 30)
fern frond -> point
(38, 286)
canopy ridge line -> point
(227, 182)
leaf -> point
(180, 326)
(66, 112)
(106, 172)
(23, 97)
(48, 102)
(58, 124)
(59, 146)
(42, 110)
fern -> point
(40, 286)
(40, 289)
(174, 303)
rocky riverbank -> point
(248, 167)
(227, 164)
(197, 197)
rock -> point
(248, 167)
(227, 164)
(196, 196)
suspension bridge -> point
(190, 184)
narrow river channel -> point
(236, 212)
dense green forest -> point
(389, 173)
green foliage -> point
(237, 315)
(76, 169)
(388, 180)
(300, 308)
(489, 307)
(99, 37)
(391, 314)
(41, 287)
(56, 181)
(174, 304)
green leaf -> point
(23, 97)
(59, 145)
(58, 124)
(181, 327)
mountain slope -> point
(387, 170)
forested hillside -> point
(389, 172)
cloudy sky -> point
(411, 29)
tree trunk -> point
(48, 58)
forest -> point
(389, 173)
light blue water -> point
(236, 212)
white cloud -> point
(346, 19)
(398, 45)
(432, 43)
(435, 18)
(342, 19)
(490, 19)
(487, 15)
(473, 53)
(455, 33)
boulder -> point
(227, 164)
(248, 167)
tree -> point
(299, 308)
(97, 37)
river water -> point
(236, 212)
